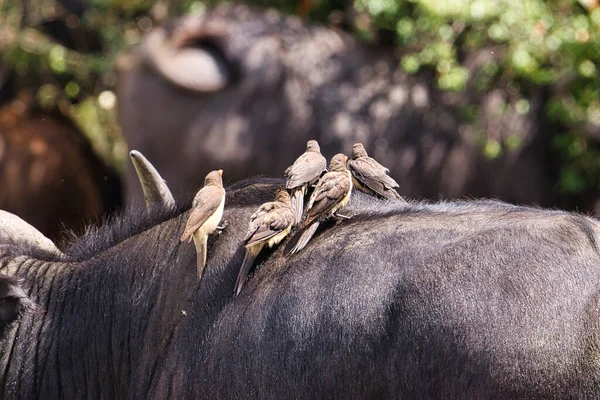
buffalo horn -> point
(15, 231)
(156, 192)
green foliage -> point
(555, 44)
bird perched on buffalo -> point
(330, 195)
(305, 171)
(269, 225)
(371, 177)
(207, 211)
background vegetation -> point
(551, 44)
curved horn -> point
(156, 192)
(195, 68)
(15, 231)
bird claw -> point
(342, 216)
(221, 228)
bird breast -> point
(213, 221)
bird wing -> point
(372, 174)
(330, 190)
(257, 218)
(271, 224)
(305, 169)
(204, 205)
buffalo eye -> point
(13, 301)
(9, 310)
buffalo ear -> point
(191, 55)
(13, 301)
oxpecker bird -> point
(331, 194)
(305, 171)
(371, 177)
(269, 225)
(207, 211)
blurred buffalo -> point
(244, 89)
(49, 175)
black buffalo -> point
(243, 90)
(465, 300)
(49, 173)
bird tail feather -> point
(297, 205)
(249, 258)
(201, 244)
(305, 237)
(391, 194)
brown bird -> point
(331, 194)
(207, 211)
(305, 171)
(371, 177)
(269, 225)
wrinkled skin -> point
(472, 300)
(49, 174)
(290, 82)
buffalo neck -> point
(101, 320)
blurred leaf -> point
(410, 64)
(47, 96)
(492, 149)
(513, 142)
(57, 59)
(522, 106)
(72, 89)
(571, 180)
(455, 80)
(587, 69)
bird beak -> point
(220, 172)
(345, 158)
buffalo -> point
(49, 173)
(452, 300)
(234, 87)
